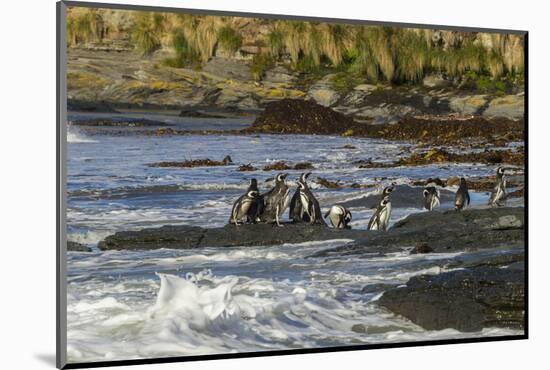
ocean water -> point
(124, 305)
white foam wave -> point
(75, 135)
(202, 314)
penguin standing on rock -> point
(498, 195)
(257, 204)
(241, 208)
(310, 211)
(431, 197)
(275, 201)
(462, 197)
(381, 217)
(295, 210)
(339, 217)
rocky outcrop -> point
(187, 237)
(291, 116)
(97, 81)
(442, 231)
(77, 247)
(468, 105)
(323, 93)
(467, 300)
(509, 106)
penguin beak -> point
(284, 175)
(307, 174)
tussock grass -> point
(147, 31)
(229, 39)
(375, 53)
(260, 64)
(84, 26)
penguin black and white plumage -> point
(339, 216)
(295, 210)
(387, 191)
(310, 211)
(381, 217)
(257, 204)
(498, 194)
(241, 208)
(275, 201)
(431, 197)
(462, 197)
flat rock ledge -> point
(467, 300)
(442, 231)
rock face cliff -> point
(122, 59)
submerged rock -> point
(194, 163)
(77, 247)
(466, 300)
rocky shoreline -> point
(447, 231)
(483, 286)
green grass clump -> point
(275, 41)
(229, 39)
(147, 31)
(261, 63)
(186, 55)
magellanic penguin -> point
(387, 191)
(498, 195)
(257, 204)
(310, 209)
(431, 197)
(381, 217)
(462, 197)
(339, 216)
(275, 201)
(241, 208)
(295, 210)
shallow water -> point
(170, 302)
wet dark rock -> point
(421, 249)
(327, 183)
(466, 300)
(283, 166)
(440, 155)
(303, 166)
(77, 247)
(443, 130)
(247, 167)
(443, 231)
(377, 288)
(194, 163)
(76, 105)
(117, 122)
(447, 231)
(186, 237)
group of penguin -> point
(253, 207)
